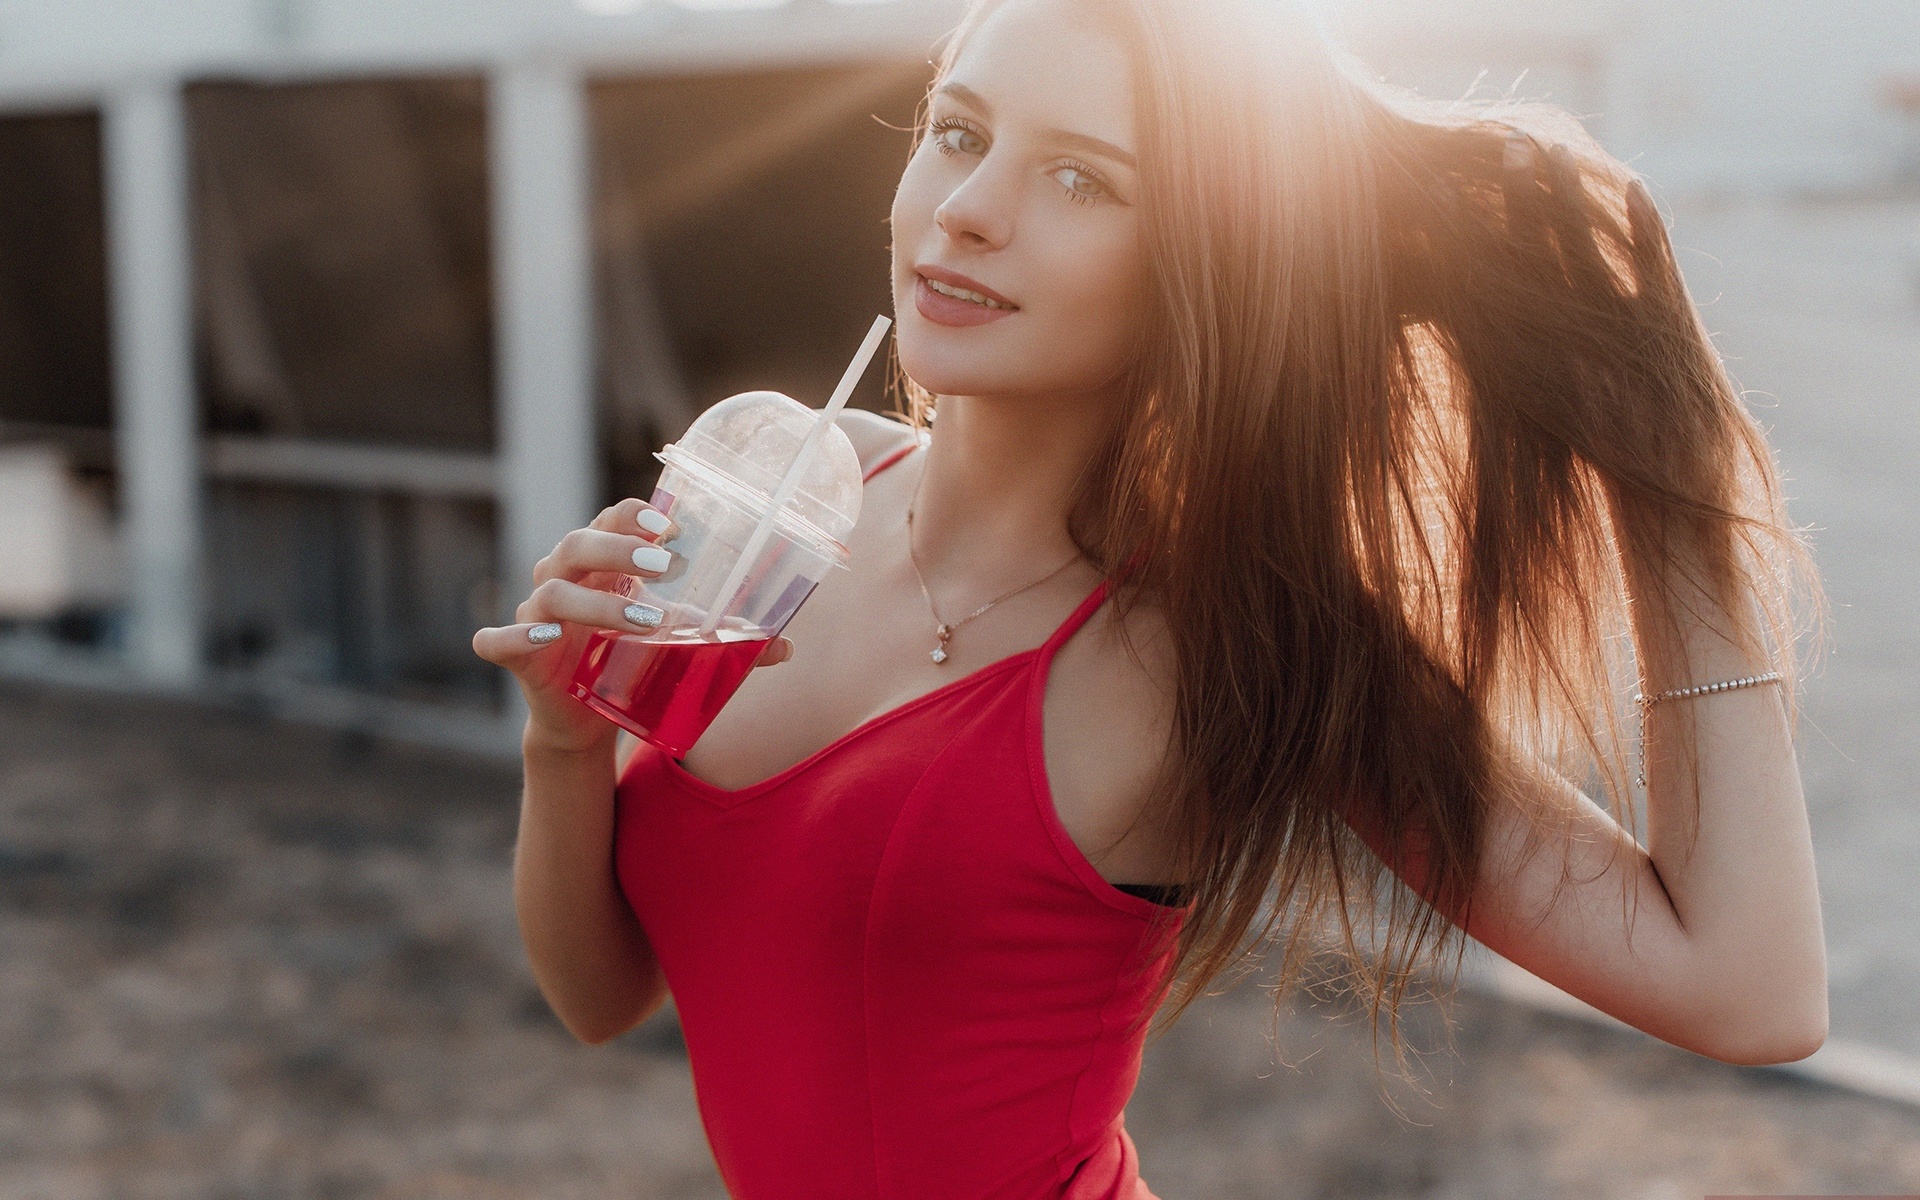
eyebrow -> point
(1079, 141)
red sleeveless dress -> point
(897, 975)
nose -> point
(979, 212)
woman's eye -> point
(1084, 188)
(1093, 190)
(946, 146)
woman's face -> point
(1023, 183)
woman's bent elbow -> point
(1802, 1045)
(597, 1023)
(1774, 1043)
(596, 1033)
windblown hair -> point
(1424, 416)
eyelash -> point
(938, 127)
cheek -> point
(1100, 289)
(913, 207)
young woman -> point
(1320, 477)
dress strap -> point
(1075, 620)
(1079, 615)
(891, 459)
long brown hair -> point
(1423, 403)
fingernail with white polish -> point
(652, 558)
(540, 635)
(644, 615)
(654, 521)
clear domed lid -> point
(752, 438)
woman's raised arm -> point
(1709, 938)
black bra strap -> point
(1172, 895)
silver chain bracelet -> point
(1726, 685)
(1705, 689)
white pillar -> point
(543, 315)
(156, 410)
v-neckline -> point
(729, 796)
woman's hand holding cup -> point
(577, 590)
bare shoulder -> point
(872, 434)
(1108, 722)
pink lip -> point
(956, 279)
(945, 310)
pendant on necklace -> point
(940, 652)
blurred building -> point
(1726, 96)
(342, 312)
(321, 320)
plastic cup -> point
(718, 483)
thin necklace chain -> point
(943, 629)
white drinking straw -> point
(795, 470)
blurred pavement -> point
(246, 960)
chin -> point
(957, 371)
(952, 357)
(954, 370)
(949, 383)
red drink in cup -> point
(671, 688)
(762, 514)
